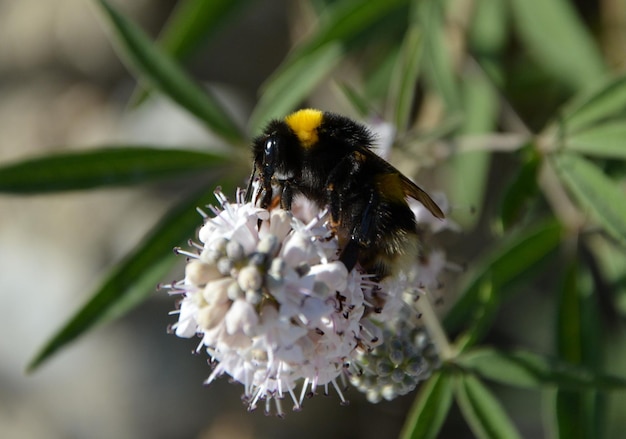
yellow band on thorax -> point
(304, 124)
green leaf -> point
(578, 414)
(595, 104)
(151, 64)
(445, 128)
(527, 370)
(191, 23)
(482, 411)
(504, 267)
(578, 332)
(595, 192)
(480, 102)
(357, 100)
(482, 317)
(313, 59)
(430, 408)
(404, 81)
(112, 166)
(556, 37)
(469, 171)
(606, 140)
(571, 414)
(292, 86)
(569, 330)
(344, 21)
(520, 192)
(612, 260)
(487, 39)
(437, 60)
(489, 28)
(377, 77)
(134, 279)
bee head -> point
(277, 156)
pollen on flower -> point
(278, 312)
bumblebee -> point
(329, 159)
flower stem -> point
(435, 330)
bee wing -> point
(409, 188)
(416, 192)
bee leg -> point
(286, 196)
(340, 181)
(359, 236)
(266, 200)
(334, 205)
(346, 210)
(362, 233)
(350, 255)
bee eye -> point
(270, 146)
(271, 150)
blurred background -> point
(62, 87)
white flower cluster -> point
(275, 308)
(272, 304)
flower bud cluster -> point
(395, 367)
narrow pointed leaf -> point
(505, 266)
(482, 317)
(489, 29)
(606, 140)
(430, 408)
(520, 192)
(404, 81)
(437, 59)
(357, 100)
(377, 78)
(557, 38)
(482, 411)
(570, 414)
(153, 65)
(111, 166)
(595, 192)
(191, 23)
(445, 128)
(469, 171)
(578, 414)
(290, 88)
(594, 104)
(528, 370)
(578, 332)
(343, 22)
(612, 259)
(313, 59)
(134, 279)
